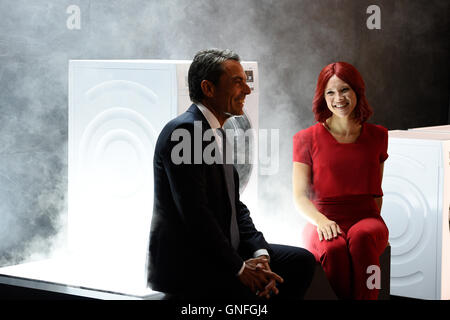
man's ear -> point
(207, 88)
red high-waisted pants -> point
(345, 259)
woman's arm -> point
(301, 177)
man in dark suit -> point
(203, 243)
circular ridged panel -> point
(116, 150)
(408, 227)
(410, 231)
(105, 88)
(121, 155)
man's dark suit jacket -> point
(190, 233)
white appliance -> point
(416, 207)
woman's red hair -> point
(347, 73)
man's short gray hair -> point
(207, 65)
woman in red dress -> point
(337, 175)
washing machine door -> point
(243, 142)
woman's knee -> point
(371, 233)
(334, 249)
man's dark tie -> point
(229, 178)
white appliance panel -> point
(116, 113)
(416, 211)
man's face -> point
(231, 90)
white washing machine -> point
(116, 110)
(416, 207)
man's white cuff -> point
(261, 252)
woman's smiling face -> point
(340, 97)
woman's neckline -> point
(323, 125)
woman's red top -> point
(342, 169)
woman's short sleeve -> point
(302, 147)
(384, 146)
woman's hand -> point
(327, 229)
